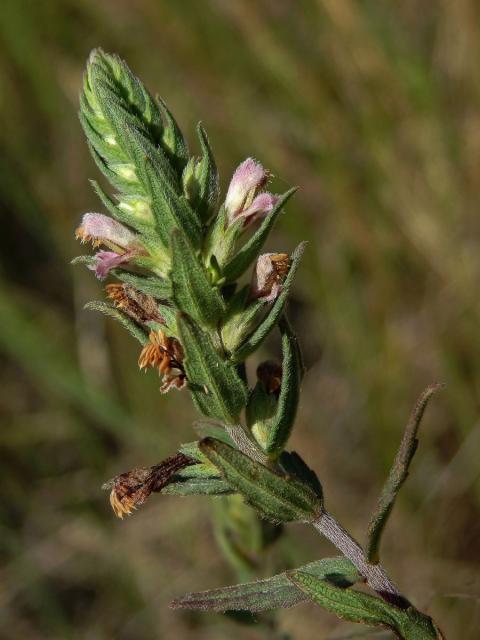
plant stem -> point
(374, 574)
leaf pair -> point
(272, 593)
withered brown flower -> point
(131, 489)
(166, 354)
(137, 305)
(270, 272)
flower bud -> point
(262, 404)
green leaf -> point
(277, 498)
(174, 143)
(192, 291)
(159, 288)
(294, 465)
(210, 429)
(277, 592)
(241, 318)
(205, 471)
(252, 248)
(216, 387)
(348, 605)
(171, 211)
(252, 343)
(197, 487)
(362, 608)
(109, 310)
(282, 424)
(398, 474)
(207, 177)
(89, 261)
(116, 212)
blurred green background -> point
(373, 108)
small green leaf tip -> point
(277, 498)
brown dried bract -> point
(131, 489)
(137, 305)
(166, 354)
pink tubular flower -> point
(242, 200)
(261, 205)
(100, 229)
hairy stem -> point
(374, 574)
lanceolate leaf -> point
(110, 310)
(171, 211)
(216, 387)
(192, 291)
(359, 607)
(276, 498)
(398, 474)
(159, 288)
(252, 248)
(209, 187)
(282, 423)
(252, 343)
(174, 143)
(116, 212)
(273, 593)
(197, 487)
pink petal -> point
(96, 226)
(247, 179)
(259, 208)
(107, 260)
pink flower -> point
(270, 272)
(100, 229)
(242, 200)
(106, 260)
(259, 208)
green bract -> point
(273, 495)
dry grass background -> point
(373, 108)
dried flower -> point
(131, 489)
(269, 275)
(137, 305)
(166, 354)
(242, 200)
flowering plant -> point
(178, 258)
